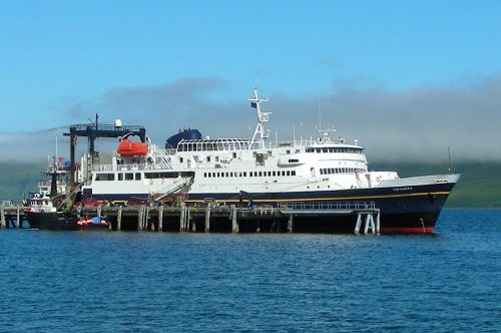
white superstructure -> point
(208, 167)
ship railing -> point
(11, 203)
(128, 167)
(107, 127)
(342, 205)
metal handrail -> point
(331, 205)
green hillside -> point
(480, 185)
(17, 179)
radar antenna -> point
(260, 133)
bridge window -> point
(105, 176)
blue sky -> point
(54, 53)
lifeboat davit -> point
(128, 148)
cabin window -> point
(234, 155)
(288, 152)
(180, 160)
(129, 176)
(205, 174)
(260, 174)
(105, 176)
(274, 173)
(158, 175)
(288, 173)
(245, 174)
(293, 172)
(318, 150)
(120, 176)
(208, 158)
(138, 176)
(310, 150)
(325, 150)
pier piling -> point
(140, 218)
(119, 218)
(290, 223)
(182, 218)
(3, 222)
(369, 225)
(234, 219)
(18, 217)
(160, 219)
(207, 218)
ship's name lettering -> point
(401, 189)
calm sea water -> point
(149, 282)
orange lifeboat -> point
(127, 148)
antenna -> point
(451, 161)
(260, 133)
(319, 115)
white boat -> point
(324, 169)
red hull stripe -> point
(408, 230)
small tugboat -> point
(42, 214)
(43, 210)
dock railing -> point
(342, 205)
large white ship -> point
(325, 169)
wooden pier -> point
(12, 216)
(362, 218)
(357, 218)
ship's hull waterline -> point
(409, 209)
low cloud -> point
(412, 124)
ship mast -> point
(260, 135)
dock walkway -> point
(362, 217)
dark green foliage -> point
(479, 186)
(19, 178)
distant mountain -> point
(480, 185)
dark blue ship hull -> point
(404, 209)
